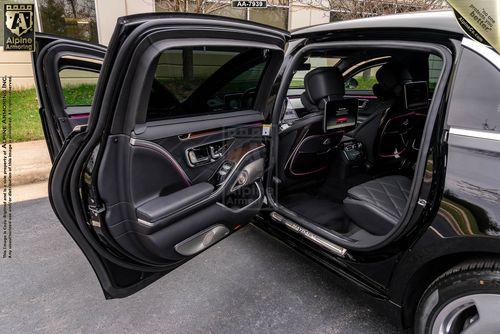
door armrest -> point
(163, 206)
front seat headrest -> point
(324, 83)
(391, 77)
(380, 92)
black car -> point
(372, 146)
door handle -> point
(195, 158)
(215, 154)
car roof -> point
(443, 20)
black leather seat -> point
(389, 91)
(321, 85)
(378, 205)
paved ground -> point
(30, 163)
(249, 282)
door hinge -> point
(266, 130)
(95, 214)
(80, 128)
(422, 202)
(446, 135)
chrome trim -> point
(341, 251)
(145, 223)
(201, 240)
(483, 50)
(88, 59)
(475, 133)
(254, 170)
(210, 160)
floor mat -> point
(322, 211)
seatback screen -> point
(416, 95)
(340, 114)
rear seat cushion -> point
(379, 204)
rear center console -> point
(348, 165)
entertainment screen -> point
(340, 114)
(416, 95)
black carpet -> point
(322, 211)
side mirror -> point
(351, 83)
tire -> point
(465, 296)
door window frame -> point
(135, 103)
(413, 211)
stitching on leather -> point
(392, 196)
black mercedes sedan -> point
(372, 146)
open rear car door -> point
(64, 68)
(165, 167)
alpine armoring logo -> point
(19, 27)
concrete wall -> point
(18, 65)
(108, 11)
(302, 15)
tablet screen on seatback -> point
(416, 95)
(340, 114)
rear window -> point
(78, 86)
(200, 80)
(474, 100)
(435, 67)
(314, 62)
(364, 80)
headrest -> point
(324, 82)
(391, 77)
(380, 92)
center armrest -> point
(165, 205)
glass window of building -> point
(70, 18)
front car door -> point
(173, 155)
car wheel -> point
(465, 299)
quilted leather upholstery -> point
(379, 204)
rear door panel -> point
(141, 196)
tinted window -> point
(435, 66)
(203, 80)
(78, 86)
(366, 79)
(314, 62)
(474, 102)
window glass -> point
(474, 101)
(435, 66)
(315, 62)
(78, 86)
(70, 18)
(200, 80)
(365, 79)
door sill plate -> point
(338, 250)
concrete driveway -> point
(248, 283)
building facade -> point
(94, 20)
